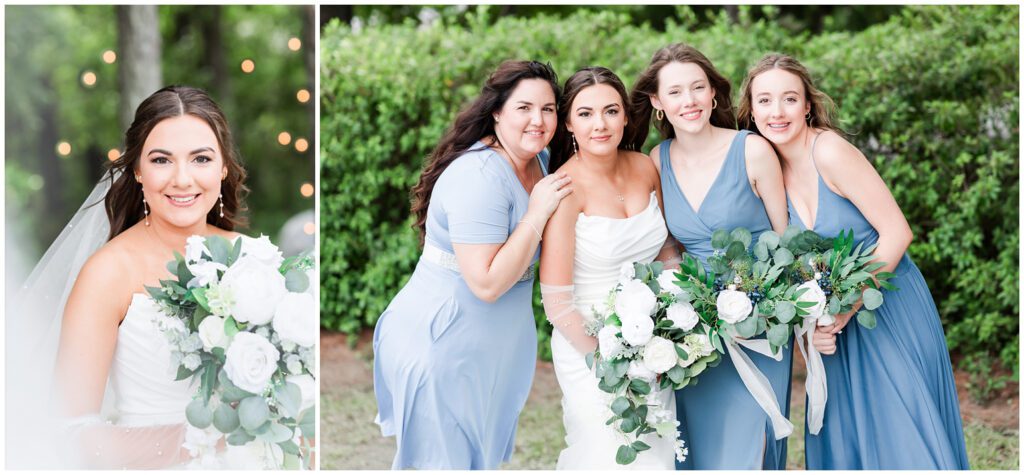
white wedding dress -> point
(602, 246)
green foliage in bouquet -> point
(842, 270)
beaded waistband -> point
(447, 260)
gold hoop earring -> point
(714, 103)
(659, 114)
(808, 116)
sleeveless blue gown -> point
(892, 401)
(452, 372)
(721, 422)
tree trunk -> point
(138, 42)
(213, 43)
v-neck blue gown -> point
(892, 402)
(452, 372)
(722, 423)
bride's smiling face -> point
(180, 170)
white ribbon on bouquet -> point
(756, 382)
(816, 384)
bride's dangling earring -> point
(222, 205)
(145, 210)
(574, 151)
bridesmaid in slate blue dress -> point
(454, 352)
(892, 401)
(714, 177)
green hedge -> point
(931, 97)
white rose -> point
(255, 455)
(250, 362)
(195, 246)
(307, 386)
(297, 319)
(261, 248)
(683, 316)
(638, 370)
(667, 282)
(204, 273)
(635, 299)
(637, 329)
(816, 295)
(733, 306)
(626, 272)
(660, 355)
(607, 342)
(256, 288)
(211, 332)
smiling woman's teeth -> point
(185, 199)
(777, 126)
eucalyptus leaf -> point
(240, 437)
(735, 250)
(225, 418)
(742, 235)
(198, 414)
(747, 327)
(640, 446)
(867, 319)
(872, 299)
(778, 335)
(770, 239)
(677, 374)
(639, 386)
(783, 257)
(628, 425)
(619, 405)
(307, 423)
(219, 248)
(253, 412)
(289, 399)
(720, 239)
(296, 281)
(289, 447)
(790, 233)
(625, 455)
(785, 311)
(277, 433)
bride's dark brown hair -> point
(123, 202)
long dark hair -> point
(647, 86)
(123, 202)
(823, 109)
(474, 123)
(561, 144)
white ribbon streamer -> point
(755, 381)
(816, 383)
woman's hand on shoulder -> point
(547, 194)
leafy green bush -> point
(931, 97)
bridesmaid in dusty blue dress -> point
(892, 401)
(454, 352)
(714, 177)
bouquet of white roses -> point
(242, 322)
(648, 341)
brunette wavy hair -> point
(823, 108)
(561, 144)
(123, 202)
(473, 124)
(647, 85)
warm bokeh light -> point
(302, 96)
(64, 148)
(301, 145)
(89, 78)
(113, 154)
(248, 66)
(294, 44)
(306, 189)
(284, 138)
(309, 228)
(109, 56)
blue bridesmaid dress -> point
(892, 401)
(721, 422)
(452, 372)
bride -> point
(100, 366)
(612, 218)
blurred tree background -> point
(929, 93)
(75, 74)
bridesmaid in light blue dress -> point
(892, 401)
(454, 352)
(713, 177)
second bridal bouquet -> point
(243, 323)
(649, 340)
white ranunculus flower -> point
(626, 272)
(683, 316)
(660, 355)
(638, 370)
(261, 248)
(256, 288)
(204, 273)
(307, 385)
(195, 246)
(816, 295)
(297, 319)
(211, 332)
(609, 344)
(733, 306)
(667, 282)
(250, 361)
(637, 329)
(635, 299)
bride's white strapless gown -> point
(141, 377)
(602, 246)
